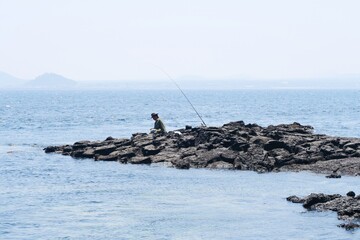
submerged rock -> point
(333, 175)
(235, 145)
(347, 207)
(349, 226)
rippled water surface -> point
(48, 196)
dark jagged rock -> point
(181, 165)
(350, 194)
(77, 153)
(51, 149)
(333, 175)
(273, 144)
(295, 199)
(235, 145)
(187, 127)
(347, 207)
(349, 226)
(313, 199)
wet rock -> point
(181, 164)
(140, 160)
(106, 158)
(220, 165)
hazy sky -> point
(118, 39)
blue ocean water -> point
(49, 196)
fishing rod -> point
(168, 75)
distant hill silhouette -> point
(8, 81)
(51, 80)
(56, 81)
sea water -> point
(50, 196)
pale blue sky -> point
(121, 40)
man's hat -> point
(154, 115)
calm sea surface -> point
(48, 196)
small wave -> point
(95, 202)
(15, 147)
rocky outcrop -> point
(347, 207)
(236, 145)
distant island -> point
(51, 80)
(46, 81)
(8, 81)
(57, 81)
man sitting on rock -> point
(159, 126)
